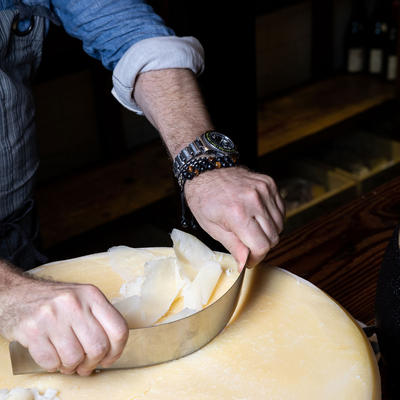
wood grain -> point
(89, 199)
(342, 252)
(317, 107)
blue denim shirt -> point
(107, 28)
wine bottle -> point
(356, 38)
(391, 47)
(378, 36)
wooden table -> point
(341, 253)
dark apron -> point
(387, 312)
(20, 54)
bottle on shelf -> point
(391, 47)
(378, 37)
(356, 38)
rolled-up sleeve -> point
(129, 38)
(154, 54)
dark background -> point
(255, 52)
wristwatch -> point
(210, 142)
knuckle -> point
(120, 335)
(92, 291)
(238, 212)
(46, 314)
(71, 359)
(32, 329)
(68, 300)
(46, 360)
(262, 188)
(254, 198)
(98, 350)
(269, 181)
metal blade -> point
(160, 343)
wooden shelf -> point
(75, 204)
(317, 107)
(78, 203)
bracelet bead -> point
(196, 166)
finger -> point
(277, 215)
(94, 342)
(272, 213)
(231, 242)
(250, 233)
(44, 354)
(268, 198)
(268, 226)
(115, 328)
(272, 219)
(281, 204)
(69, 350)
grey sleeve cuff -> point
(154, 54)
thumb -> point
(232, 243)
(240, 252)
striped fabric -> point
(19, 59)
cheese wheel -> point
(286, 341)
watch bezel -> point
(215, 146)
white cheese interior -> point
(152, 286)
(19, 393)
(161, 285)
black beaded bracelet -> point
(194, 168)
(201, 164)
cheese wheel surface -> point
(286, 341)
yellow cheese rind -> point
(286, 341)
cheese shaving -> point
(152, 286)
(19, 393)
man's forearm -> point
(9, 275)
(239, 208)
(172, 102)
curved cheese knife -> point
(160, 343)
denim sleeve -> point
(108, 28)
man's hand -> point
(66, 327)
(241, 209)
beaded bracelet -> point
(194, 168)
(198, 165)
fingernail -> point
(84, 373)
(67, 372)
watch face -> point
(220, 141)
